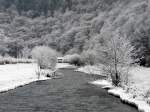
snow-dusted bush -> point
(89, 57)
(74, 59)
(45, 56)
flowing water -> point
(71, 93)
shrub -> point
(45, 56)
(74, 59)
(89, 57)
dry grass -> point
(10, 60)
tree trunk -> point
(117, 79)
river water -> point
(71, 93)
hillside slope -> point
(80, 25)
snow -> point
(123, 95)
(126, 97)
(95, 69)
(103, 83)
(64, 65)
(14, 75)
(141, 79)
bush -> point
(74, 59)
(45, 56)
(89, 57)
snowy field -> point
(141, 80)
(140, 85)
(14, 75)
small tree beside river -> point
(117, 59)
(45, 56)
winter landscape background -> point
(110, 38)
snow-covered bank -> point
(140, 77)
(138, 91)
(123, 95)
(103, 83)
(14, 75)
(64, 65)
(128, 98)
(91, 69)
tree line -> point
(36, 7)
(73, 26)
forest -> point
(73, 26)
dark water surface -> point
(71, 93)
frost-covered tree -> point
(117, 58)
(45, 56)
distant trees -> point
(73, 26)
(36, 6)
(15, 48)
(74, 59)
(69, 4)
(142, 44)
(3, 50)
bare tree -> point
(117, 58)
(46, 58)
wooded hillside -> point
(73, 26)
